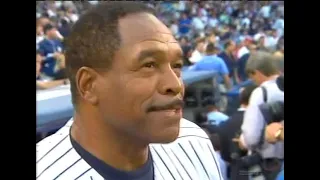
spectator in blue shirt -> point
(184, 24)
(43, 84)
(211, 62)
(227, 56)
(51, 50)
(214, 116)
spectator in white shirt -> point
(182, 5)
(279, 25)
(244, 49)
(271, 40)
(258, 35)
(262, 69)
(73, 17)
(265, 11)
(198, 52)
(213, 21)
(174, 28)
(197, 24)
(245, 22)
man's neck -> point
(272, 77)
(107, 144)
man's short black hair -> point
(47, 28)
(94, 38)
(210, 48)
(246, 93)
(227, 44)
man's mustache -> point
(174, 104)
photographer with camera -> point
(262, 69)
(231, 129)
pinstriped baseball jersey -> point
(190, 157)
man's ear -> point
(86, 81)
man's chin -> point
(166, 137)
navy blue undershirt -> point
(110, 173)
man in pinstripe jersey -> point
(124, 68)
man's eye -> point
(150, 65)
(177, 66)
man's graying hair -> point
(95, 38)
(264, 62)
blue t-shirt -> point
(215, 118)
(182, 28)
(110, 173)
(212, 63)
(47, 48)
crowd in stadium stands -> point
(232, 30)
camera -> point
(274, 111)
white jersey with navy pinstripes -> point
(190, 157)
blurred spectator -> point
(214, 116)
(212, 38)
(279, 25)
(184, 24)
(244, 47)
(65, 27)
(198, 24)
(43, 21)
(174, 28)
(211, 62)
(217, 21)
(271, 39)
(198, 52)
(43, 83)
(263, 71)
(213, 21)
(228, 58)
(70, 13)
(261, 44)
(187, 50)
(231, 129)
(39, 35)
(259, 34)
(240, 71)
(51, 49)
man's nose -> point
(170, 83)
